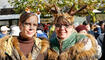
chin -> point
(63, 37)
(29, 36)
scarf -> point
(67, 43)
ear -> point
(20, 24)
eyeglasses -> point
(28, 25)
(60, 25)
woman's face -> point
(63, 31)
(83, 32)
(28, 28)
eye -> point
(66, 25)
(26, 24)
(35, 24)
(57, 25)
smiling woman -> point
(70, 45)
(26, 46)
(28, 25)
(63, 27)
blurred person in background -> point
(97, 31)
(101, 42)
(88, 26)
(102, 24)
(92, 27)
(45, 28)
(4, 31)
(52, 32)
(81, 29)
(40, 33)
(15, 30)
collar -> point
(67, 43)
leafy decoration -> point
(46, 5)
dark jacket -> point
(101, 42)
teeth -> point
(62, 32)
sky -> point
(4, 4)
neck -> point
(25, 40)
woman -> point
(69, 45)
(101, 42)
(81, 29)
(26, 46)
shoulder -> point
(87, 42)
(44, 43)
(4, 38)
(90, 36)
(53, 41)
(5, 45)
(80, 37)
(41, 41)
(90, 40)
(86, 47)
(101, 36)
(85, 37)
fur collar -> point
(67, 43)
(3, 45)
(9, 42)
(76, 52)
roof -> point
(10, 16)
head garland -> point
(69, 15)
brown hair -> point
(64, 19)
(25, 16)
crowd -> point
(58, 41)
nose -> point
(31, 27)
(62, 27)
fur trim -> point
(16, 45)
(76, 52)
(3, 45)
(8, 42)
(44, 45)
(52, 55)
(92, 38)
(55, 56)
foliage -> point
(100, 17)
(45, 5)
